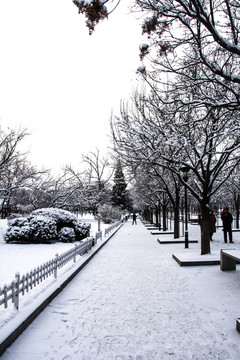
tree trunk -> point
(148, 215)
(205, 230)
(3, 207)
(164, 212)
(176, 223)
(177, 215)
(237, 205)
(237, 218)
(157, 216)
(151, 216)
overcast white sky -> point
(59, 82)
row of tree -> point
(187, 117)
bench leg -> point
(238, 324)
(227, 263)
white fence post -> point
(5, 295)
(55, 265)
(16, 291)
(75, 253)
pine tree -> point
(119, 192)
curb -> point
(20, 328)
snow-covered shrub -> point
(18, 229)
(82, 230)
(66, 234)
(46, 225)
(19, 221)
(64, 218)
(43, 228)
(19, 234)
(109, 214)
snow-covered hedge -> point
(46, 225)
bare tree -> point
(201, 36)
(97, 169)
(9, 142)
(149, 194)
(60, 192)
(76, 182)
(14, 168)
(98, 173)
(16, 175)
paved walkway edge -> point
(20, 328)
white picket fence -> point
(110, 228)
(24, 284)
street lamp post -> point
(185, 171)
(160, 209)
(159, 221)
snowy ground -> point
(22, 258)
(133, 301)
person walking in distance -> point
(134, 219)
(212, 219)
(227, 220)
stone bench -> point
(229, 259)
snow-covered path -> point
(133, 301)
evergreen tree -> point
(119, 192)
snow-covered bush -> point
(46, 225)
(109, 214)
(19, 221)
(19, 234)
(66, 234)
(42, 228)
(18, 229)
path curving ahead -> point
(134, 302)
